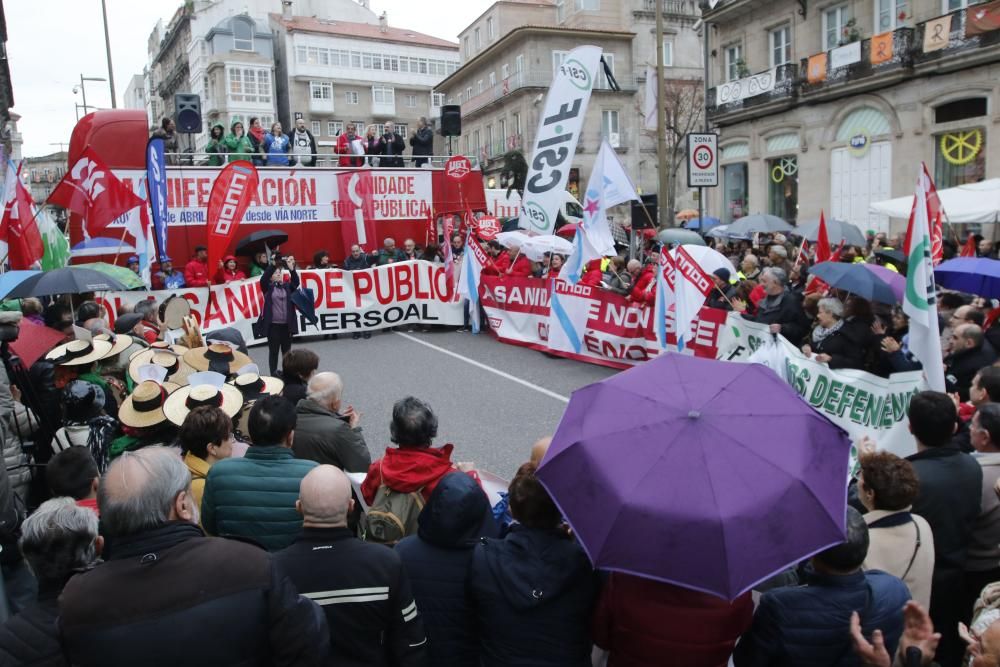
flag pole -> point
(121, 242)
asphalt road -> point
(492, 400)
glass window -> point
(588, 5)
(242, 34)
(519, 63)
(502, 132)
(437, 99)
(734, 62)
(959, 157)
(891, 14)
(781, 46)
(468, 93)
(352, 97)
(301, 55)
(249, 85)
(465, 44)
(560, 11)
(478, 38)
(489, 139)
(668, 53)
(834, 26)
(383, 95)
(515, 122)
(609, 127)
(334, 127)
(558, 57)
(734, 177)
(235, 76)
(312, 55)
(493, 79)
(411, 100)
(316, 127)
(321, 90)
(504, 71)
(602, 80)
(490, 28)
(264, 86)
(479, 87)
(355, 59)
(969, 107)
(783, 187)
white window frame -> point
(333, 127)
(493, 79)
(602, 77)
(588, 5)
(610, 124)
(316, 127)
(733, 54)
(560, 11)
(478, 38)
(248, 43)
(352, 97)
(842, 14)
(962, 4)
(515, 122)
(480, 87)
(668, 52)
(891, 10)
(489, 140)
(387, 93)
(411, 101)
(324, 88)
(234, 75)
(558, 58)
(491, 28)
(519, 64)
(437, 99)
(505, 71)
(465, 44)
(784, 32)
(468, 93)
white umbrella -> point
(511, 239)
(535, 247)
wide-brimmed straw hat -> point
(217, 357)
(253, 385)
(79, 352)
(119, 342)
(184, 400)
(177, 370)
(144, 406)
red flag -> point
(935, 214)
(356, 210)
(449, 257)
(815, 285)
(90, 190)
(835, 257)
(969, 249)
(431, 233)
(19, 228)
(232, 191)
(822, 241)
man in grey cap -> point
(723, 292)
(168, 277)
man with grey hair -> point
(169, 595)
(422, 142)
(781, 308)
(59, 540)
(969, 353)
(389, 253)
(326, 434)
(361, 586)
(777, 256)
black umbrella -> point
(256, 242)
(763, 223)
(892, 256)
(68, 280)
(678, 236)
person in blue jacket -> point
(277, 146)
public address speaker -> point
(451, 120)
(640, 219)
(187, 112)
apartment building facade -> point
(834, 106)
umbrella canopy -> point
(703, 224)
(722, 232)
(677, 236)
(568, 230)
(254, 243)
(687, 214)
(836, 231)
(972, 202)
(34, 340)
(893, 256)
(125, 276)
(683, 470)
(536, 246)
(759, 222)
(515, 238)
(68, 280)
(972, 275)
(100, 245)
(856, 279)
(11, 279)
(896, 281)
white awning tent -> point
(974, 202)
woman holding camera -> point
(277, 321)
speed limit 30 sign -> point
(703, 160)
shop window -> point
(734, 178)
(969, 107)
(783, 187)
(959, 157)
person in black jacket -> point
(780, 308)
(969, 353)
(949, 499)
(278, 322)
(297, 367)
(325, 433)
(422, 142)
(832, 341)
(437, 560)
(722, 292)
(167, 595)
(534, 590)
(362, 587)
(392, 147)
(358, 260)
(58, 540)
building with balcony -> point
(168, 51)
(41, 175)
(846, 99)
(334, 72)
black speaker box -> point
(187, 112)
(451, 120)
(639, 219)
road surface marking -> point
(473, 362)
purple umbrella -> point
(895, 280)
(710, 475)
(972, 275)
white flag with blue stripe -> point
(473, 260)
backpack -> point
(392, 515)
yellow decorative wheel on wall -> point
(961, 148)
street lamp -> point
(83, 87)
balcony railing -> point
(901, 58)
(674, 7)
(954, 42)
(785, 87)
(384, 109)
(533, 79)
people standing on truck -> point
(277, 146)
(373, 144)
(303, 145)
(277, 321)
(346, 147)
(237, 144)
(392, 146)
(168, 132)
(256, 136)
(216, 148)
(422, 142)
(259, 264)
(196, 271)
(167, 277)
(229, 271)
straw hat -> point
(186, 399)
(173, 361)
(144, 406)
(79, 352)
(217, 357)
(253, 385)
(174, 347)
(119, 342)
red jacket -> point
(344, 149)
(408, 469)
(520, 268)
(592, 274)
(196, 273)
(498, 265)
(640, 621)
(641, 291)
(225, 276)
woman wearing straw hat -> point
(277, 321)
(76, 360)
(252, 385)
(206, 436)
(142, 418)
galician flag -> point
(473, 261)
(920, 301)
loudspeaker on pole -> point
(187, 112)
(451, 120)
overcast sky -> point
(52, 42)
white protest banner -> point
(558, 132)
(843, 56)
(741, 89)
(413, 292)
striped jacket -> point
(365, 594)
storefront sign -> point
(859, 144)
(741, 89)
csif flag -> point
(91, 191)
(232, 191)
(156, 189)
(473, 261)
(920, 299)
(18, 228)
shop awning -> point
(974, 202)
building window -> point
(491, 30)
(264, 86)
(783, 187)
(242, 34)
(891, 14)
(493, 79)
(834, 25)
(479, 87)
(249, 85)
(316, 128)
(781, 46)
(734, 62)
(963, 109)
(558, 57)
(588, 5)
(235, 77)
(266, 121)
(352, 97)
(320, 90)
(602, 80)
(411, 101)
(334, 127)
(476, 143)
(465, 46)
(668, 53)
(478, 38)
(952, 5)
(502, 131)
(505, 71)
(519, 64)
(959, 157)
(437, 99)
(515, 123)
(560, 11)
(609, 127)
(489, 141)
(468, 93)
(384, 95)
(734, 178)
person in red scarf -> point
(499, 260)
(256, 137)
(642, 287)
(229, 271)
(414, 465)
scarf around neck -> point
(819, 334)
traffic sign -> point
(703, 160)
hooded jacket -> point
(239, 148)
(408, 469)
(224, 275)
(436, 561)
(533, 592)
